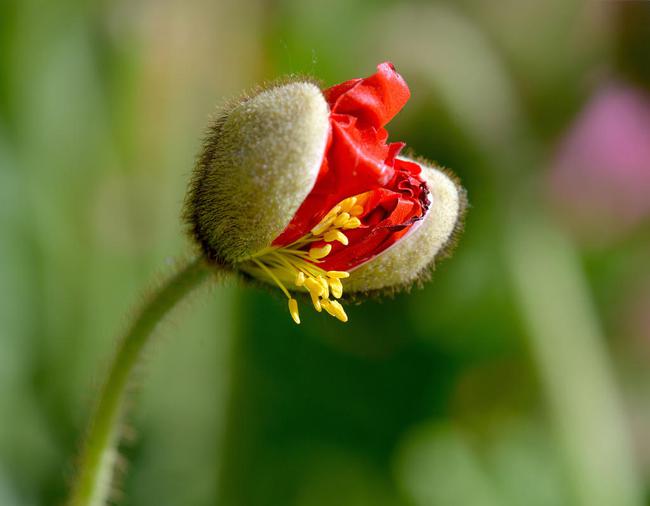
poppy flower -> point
(299, 188)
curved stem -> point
(99, 453)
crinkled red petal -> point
(358, 161)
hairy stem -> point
(99, 453)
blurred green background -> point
(518, 377)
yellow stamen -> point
(273, 277)
(322, 252)
(314, 286)
(352, 223)
(322, 227)
(334, 308)
(332, 212)
(339, 312)
(338, 274)
(300, 279)
(336, 287)
(356, 210)
(293, 310)
(325, 286)
(347, 204)
(341, 219)
(326, 221)
(336, 235)
(316, 302)
(297, 262)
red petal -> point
(374, 100)
(358, 161)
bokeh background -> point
(520, 376)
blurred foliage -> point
(519, 376)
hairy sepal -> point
(260, 160)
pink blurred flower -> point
(601, 172)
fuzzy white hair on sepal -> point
(260, 160)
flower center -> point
(297, 262)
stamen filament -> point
(297, 263)
(272, 276)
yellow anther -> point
(336, 287)
(315, 287)
(326, 287)
(326, 304)
(293, 309)
(334, 308)
(336, 235)
(299, 261)
(316, 302)
(338, 274)
(332, 212)
(339, 312)
(352, 223)
(356, 210)
(322, 252)
(300, 279)
(341, 219)
(348, 203)
(326, 221)
(322, 226)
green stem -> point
(99, 453)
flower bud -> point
(297, 187)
